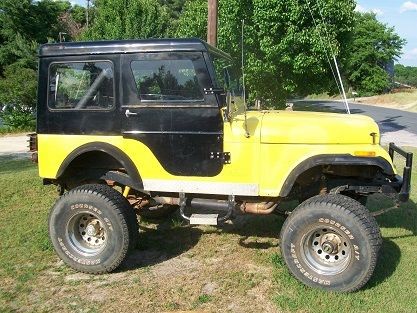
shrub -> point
(18, 98)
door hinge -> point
(225, 156)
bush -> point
(17, 119)
(18, 98)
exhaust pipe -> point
(260, 208)
(196, 203)
(167, 200)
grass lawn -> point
(7, 132)
(237, 268)
(402, 100)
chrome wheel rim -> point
(326, 250)
(86, 233)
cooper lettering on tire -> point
(92, 227)
(331, 242)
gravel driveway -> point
(17, 145)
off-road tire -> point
(334, 223)
(116, 234)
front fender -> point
(345, 159)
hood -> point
(317, 128)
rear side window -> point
(167, 80)
(81, 86)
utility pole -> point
(213, 9)
(87, 12)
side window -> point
(167, 80)
(81, 85)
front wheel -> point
(92, 227)
(331, 242)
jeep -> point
(153, 126)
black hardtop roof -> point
(128, 46)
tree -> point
(193, 20)
(36, 21)
(372, 47)
(25, 23)
(79, 14)
(406, 75)
(23, 26)
(174, 7)
(18, 97)
(128, 19)
(285, 48)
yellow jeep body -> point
(260, 164)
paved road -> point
(395, 125)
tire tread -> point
(359, 213)
(126, 215)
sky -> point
(400, 14)
(80, 2)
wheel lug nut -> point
(327, 247)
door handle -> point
(128, 113)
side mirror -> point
(222, 99)
(226, 99)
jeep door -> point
(166, 106)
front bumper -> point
(404, 192)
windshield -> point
(228, 77)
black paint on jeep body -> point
(181, 134)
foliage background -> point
(372, 47)
(129, 20)
(284, 51)
(287, 51)
(406, 75)
(23, 26)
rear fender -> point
(104, 148)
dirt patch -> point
(76, 277)
(176, 267)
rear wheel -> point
(331, 242)
(92, 227)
